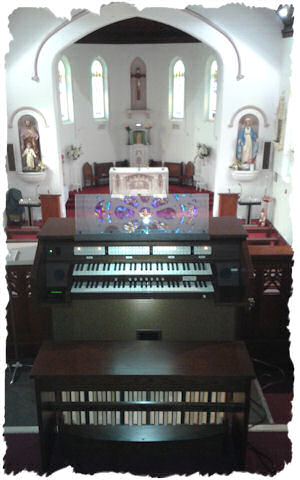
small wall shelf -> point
(244, 175)
(134, 113)
(32, 177)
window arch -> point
(65, 90)
(213, 90)
(177, 89)
(99, 89)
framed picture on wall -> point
(11, 158)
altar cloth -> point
(130, 181)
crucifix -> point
(138, 75)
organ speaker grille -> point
(57, 274)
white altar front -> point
(132, 181)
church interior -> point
(149, 235)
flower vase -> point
(128, 137)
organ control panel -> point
(67, 268)
(124, 280)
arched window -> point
(65, 90)
(213, 89)
(177, 90)
(99, 89)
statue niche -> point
(29, 144)
(138, 84)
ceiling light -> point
(285, 13)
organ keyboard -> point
(67, 267)
(147, 286)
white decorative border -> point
(220, 30)
(10, 122)
(247, 107)
(36, 77)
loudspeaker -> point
(267, 155)
(57, 274)
(228, 274)
(11, 158)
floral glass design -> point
(213, 88)
(98, 96)
(178, 90)
(65, 90)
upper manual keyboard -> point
(142, 268)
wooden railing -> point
(272, 287)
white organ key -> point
(155, 268)
(142, 286)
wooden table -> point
(29, 204)
(249, 203)
(67, 376)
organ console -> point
(178, 277)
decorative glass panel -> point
(213, 87)
(98, 90)
(63, 95)
(178, 90)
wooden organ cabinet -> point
(145, 364)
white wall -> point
(257, 37)
(283, 159)
(106, 141)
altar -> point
(131, 181)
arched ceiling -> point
(138, 30)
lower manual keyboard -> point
(144, 286)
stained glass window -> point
(98, 89)
(65, 90)
(178, 90)
(213, 88)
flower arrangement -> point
(202, 150)
(74, 152)
(127, 127)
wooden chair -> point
(88, 176)
(175, 172)
(101, 171)
(188, 174)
